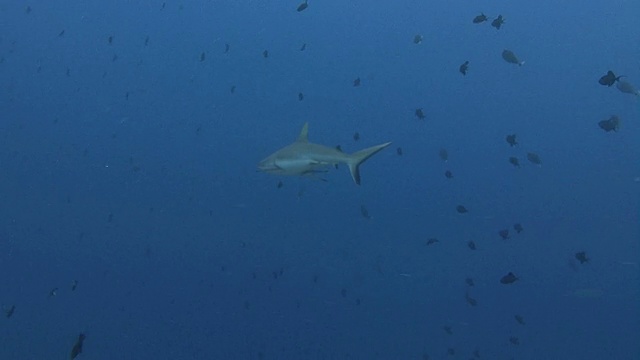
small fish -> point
(27, 9)
(61, 33)
(356, 136)
(280, 184)
(476, 353)
(448, 329)
(444, 154)
(146, 41)
(300, 96)
(611, 124)
(53, 292)
(471, 301)
(448, 174)
(582, 257)
(420, 114)
(609, 79)
(304, 46)
(364, 212)
(110, 39)
(510, 278)
(469, 281)
(479, 19)
(504, 234)
(514, 161)
(227, 47)
(265, 54)
(534, 158)
(627, 88)
(461, 209)
(432, 241)
(519, 319)
(471, 245)
(356, 82)
(464, 68)
(77, 347)
(232, 89)
(302, 6)
(202, 56)
(9, 312)
(399, 151)
(514, 340)
(511, 140)
(511, 58)
(451, 351)
(417, 39)
(518, 228)
(497, 22)
(74, 285)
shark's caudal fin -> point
(356, 159)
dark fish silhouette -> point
(497, 22)
(469, 282)
(265, 54)
(227, 47)
(611, 124)
(464, 67)
(448, 329)
(302, 6)
(461, 209)
(303, 47)
(609, 78)
(448, 174)
(27, 9)
(420, 114)
(280, 185)
(582, 257)
(519, 319)
(514, 161)
(471, 245)
(74, 285)
(203, 56)
(399, 151)
(364, 212)
(77, 347)
(9, 312)
(511, 58)
(432, 241)
(300, 96)
(53, 292)
(61, 33)
(356, 82)
(518, 228)
(444, 154)
(514, 340)
(510, 278)
(110, 39)
(356, 136)
(232, 89)
(479, 19)
(534, 158)
(471, 301)
(511, 139)
(504, 234)
(146, 41)
(417, 39)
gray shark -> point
(303, 158)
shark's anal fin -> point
(304, 134)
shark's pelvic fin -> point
(356, 159)
(304, 134)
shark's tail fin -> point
(356, 159)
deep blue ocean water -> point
(128, 168)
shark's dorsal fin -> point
(304, 134)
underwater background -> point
(132, 210)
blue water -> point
(131, 169)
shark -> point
(303, 158)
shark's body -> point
(305, 158)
